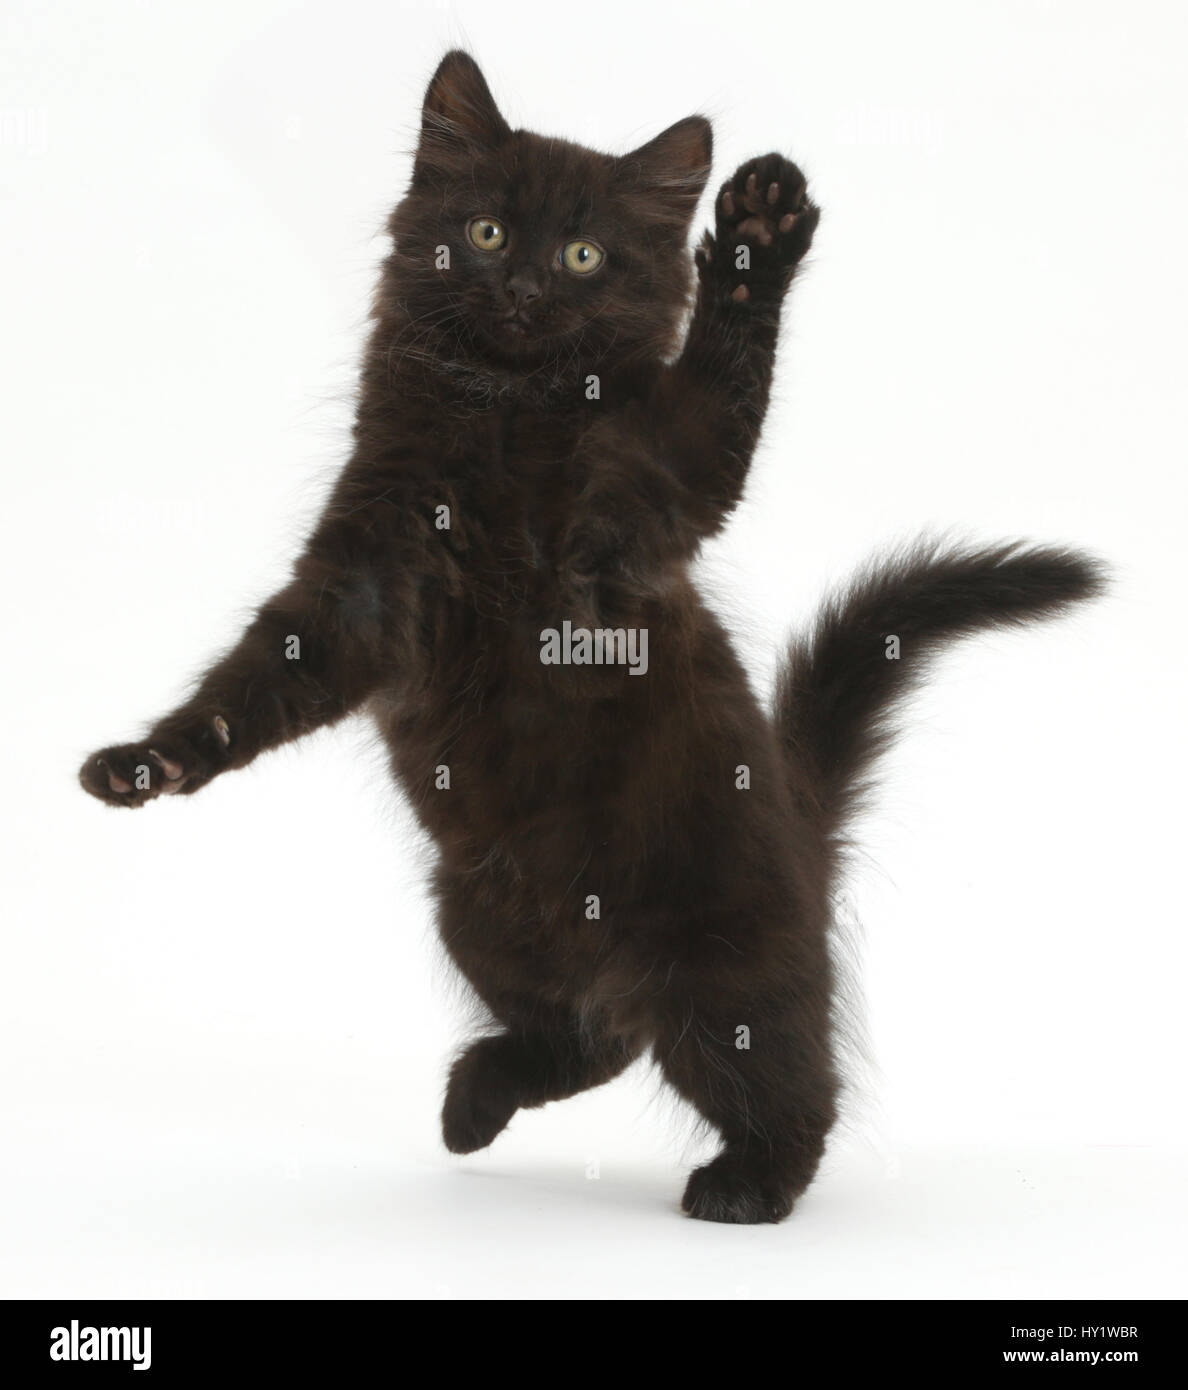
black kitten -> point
(632, 854)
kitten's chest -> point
(522, 490)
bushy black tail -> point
(839, 689)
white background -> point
(223, 1020)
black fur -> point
(626, 862)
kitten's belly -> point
(500, 741)
(588, 820)
(546, 764)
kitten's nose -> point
(523, 286)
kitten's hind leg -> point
(523, 1068)
(761, 1073)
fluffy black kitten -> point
(632, 855)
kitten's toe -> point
(729, 1190)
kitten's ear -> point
(459, 114)
(672, 169)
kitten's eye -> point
(486, 233)
(582, 257)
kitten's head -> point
(518, 251)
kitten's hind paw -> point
(479, 1102)
(728, 1189)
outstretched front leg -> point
(666, 471)
(313, 653)
(714, 398)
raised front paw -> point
(130, 774)
(765, 222)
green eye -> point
(582, 257)
(486, 233)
